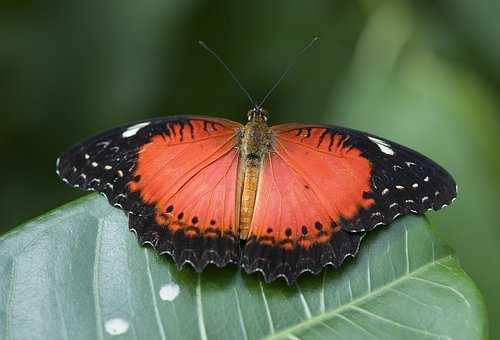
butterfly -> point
(281, 200)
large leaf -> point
(77, 273)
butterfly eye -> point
(257, 113)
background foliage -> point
(424, 74)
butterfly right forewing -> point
(401, 180)
(322, 187)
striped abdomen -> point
(248, 195)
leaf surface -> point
(78, 273)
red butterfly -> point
(300, 196)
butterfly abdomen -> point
(248, 196)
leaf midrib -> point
(336, 311)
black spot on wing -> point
(273, 261)
(188, 245)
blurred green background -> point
(425, 74)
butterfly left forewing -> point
(176, 178)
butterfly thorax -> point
(256, 142)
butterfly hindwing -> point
(176, 178)
(322, 187)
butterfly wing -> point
(176, 177)
(322, 187)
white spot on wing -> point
(169, 291)
(116, 326)
(132, 130)
(383, 146)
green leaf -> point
(77, 273)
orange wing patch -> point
(307, 186)
(189, 175)
(309, 183)
(339, 174)
(287, 209)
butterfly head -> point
(257, 114)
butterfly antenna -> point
(289, 67)
(219, 59)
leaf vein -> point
(322, 293)
(268, 312)
(443, 286)
(153, 296)
(407, 253)
(338, 310)
(95, 283)
(355, 324)
(398, 324)
(307, 310)
(199, 308)
(8, 311)
(240, 314)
